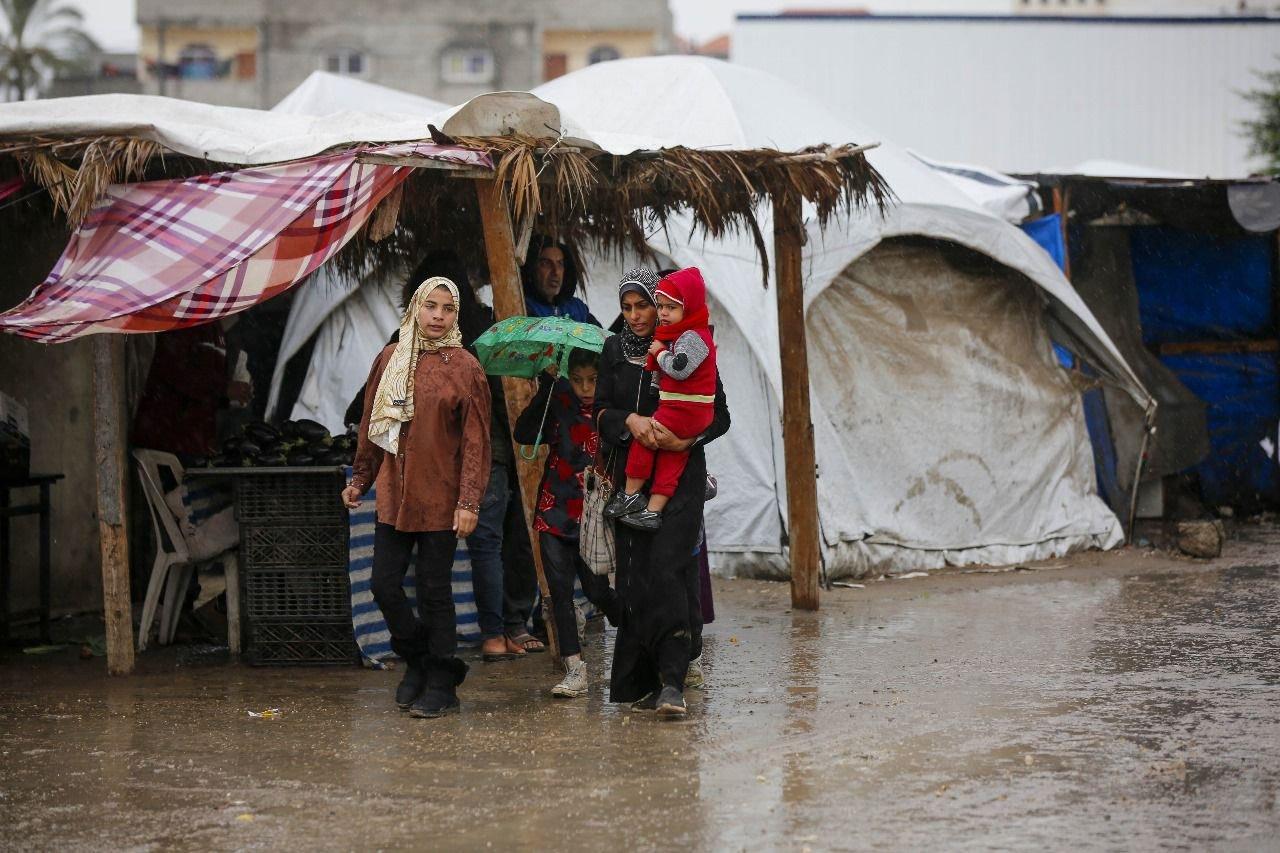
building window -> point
(198, 62)
(554, 65)
(467, 65)
(350, 62)
(603, 53)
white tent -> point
(324, 93)
(945, 431)
(340, 311)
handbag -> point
(595, 533)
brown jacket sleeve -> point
(368, 459)
(475, 440)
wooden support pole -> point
(109, 446)
(797, 427)
(1061, 206)
(508, 301)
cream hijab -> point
(393, 401)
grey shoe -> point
(645, 519)
(693, 678)
(574, 683)
(624, 504)
(671, 703)
(648, 703)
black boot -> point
(440, 696)
(412, 652)
(435, 702)
(411, 686)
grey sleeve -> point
(685, 356)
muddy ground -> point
(1128, 700)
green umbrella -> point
(526, 346)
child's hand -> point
(656, 347)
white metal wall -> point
(1023, 95)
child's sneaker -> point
(574, 683)
(645, 519)
(693, 678)
(625, 504)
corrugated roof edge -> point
(1012, 19)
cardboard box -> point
(15, 440)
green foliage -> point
(1264, 131)
(37, 40)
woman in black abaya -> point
(657, 573)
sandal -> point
(506, 651)
(526, 641)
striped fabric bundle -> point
(372, 635)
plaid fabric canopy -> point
(170, 254)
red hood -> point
(686, 287)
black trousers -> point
(429, 642)
(562, 563)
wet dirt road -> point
(1119, 701)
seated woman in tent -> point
(657, 579)
(424, 439)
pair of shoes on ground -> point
(503, 647)
(413, 694)
(633, 511)
(667, 702)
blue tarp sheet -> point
(1202, 287)
(1243, 393)
(1194, 288)
(1047, 231)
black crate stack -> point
(293, 551)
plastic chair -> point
(175, 560)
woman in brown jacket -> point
(424, 439)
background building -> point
(253, 52)
(105, 73)
(1023, 94)
(1156, 8)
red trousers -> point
(686, 420)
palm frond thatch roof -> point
(580, 194)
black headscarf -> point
(645, 283)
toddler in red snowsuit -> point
(684, 356)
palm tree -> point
(39, 39)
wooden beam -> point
(797, 427)
(508, 301)
(109, 447)
(1061, 206)
(456, 170)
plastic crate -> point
(297, 594)
(298, 546)
(280, 495)
(300, 642)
